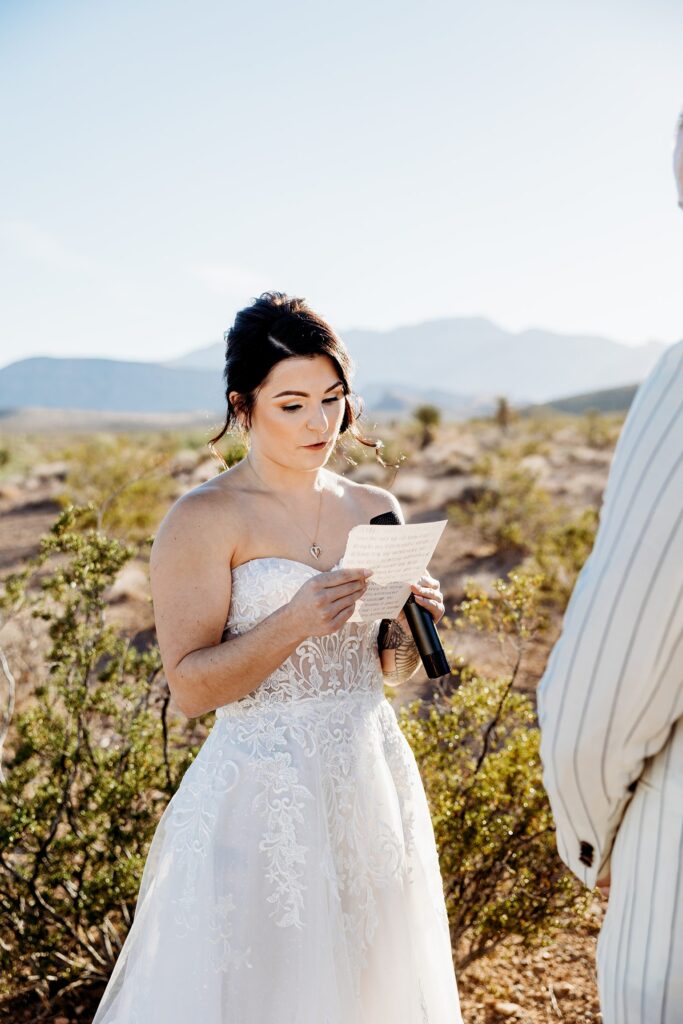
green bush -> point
(94, 757)
(526, 525)
(94, 760)
(513, 511)
(20, 453)
(503, 414)
(428, 417)
(478, 753)
(125, 478)
(561, 551)
(231, 449)
(350, 453)
(598, 430)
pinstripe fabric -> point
(612, 688)
(608, 704)
(640, 948)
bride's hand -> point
(324, 603)
(427, 594)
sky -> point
(165, 162)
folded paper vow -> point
(398, 556)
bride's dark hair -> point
(276, 327)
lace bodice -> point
(342, 663)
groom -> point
(610, 707)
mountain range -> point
(459, 364)
(473, 356)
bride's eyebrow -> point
(305, 394)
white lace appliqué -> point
(298, 837)
(314, 705)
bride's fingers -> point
(432, 592)
(434, 606)
(433, 600)
(351, 592)
(427, 591)
(343, 613)
(348, 596)
(426, 582)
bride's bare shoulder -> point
(371, 499)
(206, 513)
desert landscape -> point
(469, 213)
(520, 493)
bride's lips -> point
(317, 447)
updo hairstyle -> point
(276, 327)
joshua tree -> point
(503, 414)
(428, 417)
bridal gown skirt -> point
(293, 877)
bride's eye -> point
(293, 408)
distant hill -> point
(612, 400)
(107, 384)
(473, 356)
(393, 399)
(29, 420)
(139, 389)
(461, 365)
(209, 357)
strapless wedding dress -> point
(293, 877)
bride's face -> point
(300, 403)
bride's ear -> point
(237, 406)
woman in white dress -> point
(293, 878)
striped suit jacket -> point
(611, 698)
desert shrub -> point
(534, 446)
(561, 551)
(94, 760)
(478, 754)
(20, 453)
(545, 425)
(513, 511)
(503, 414)
(526, 525)
(196, 440)
(231, 449)
(94, 757)
(428, 418)
(125, 478)
(395, 447)
(599, 431)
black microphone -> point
(420, 621)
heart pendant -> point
(315, 550)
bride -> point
(293, 877)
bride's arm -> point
(398, 652)
(191, 591)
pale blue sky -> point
(163, 162)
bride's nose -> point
(318, 421)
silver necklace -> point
(314, 548)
